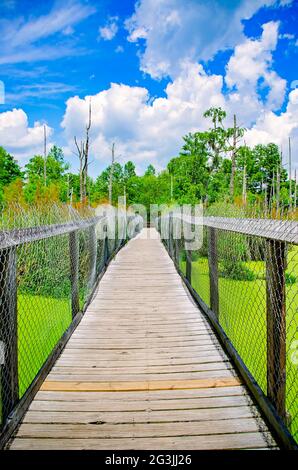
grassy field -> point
(41, 323)
(243, 317)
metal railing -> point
(244, 277)
(48, 275)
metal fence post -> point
(171, 234)
(106, 246)
(74, 272)
(213, 270)
(276, 324)
(93, 253)
(188, 265)
(8, 331)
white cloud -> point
(249, 70)
(277, 128)
(143, 129)
(176, 31)
(18, 138)
(109, 31)
(151, 129)
(20, 38)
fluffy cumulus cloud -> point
(18, 137)
(250, 68)
(110, 29)
(175, 31)
(270, 127)
(146, 129)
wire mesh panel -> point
(44, 302)
(246, 272)
(47, 275)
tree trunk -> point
(233, 158)
(111, 175)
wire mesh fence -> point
(49, 266)
(246, 273)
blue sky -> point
(169, 60)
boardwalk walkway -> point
(143, 370)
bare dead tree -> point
(295, 191)
(111, 174)
(244, 186)
(80, 153)
(83, 154)
(237, 134)
(45, 154)
(290, 175)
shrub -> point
(236, 270)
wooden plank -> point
(183, 394)
(148, 416)
(249, 440)
(140, 405)
(104, 431)
(147, 385)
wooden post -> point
(188, 266)
(93, 254)
(213, 269)
(74, 272)
(8, 331)
(171, 234)
(106, 246)
(276, 324)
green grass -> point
(242, 307)
(41, 323)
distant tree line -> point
(212, 166)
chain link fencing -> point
(246, 274)
(50, 262)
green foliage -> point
(236, 270)
(290, 278)
(150, 170)
(9, 169)
(201, 172)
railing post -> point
(8, 331)
(213, 269)
(276, 324)
(188, 265)
(106, 246)
(171, 234)
(93, 253)
(74, 272)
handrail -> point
(16, 237)
(275, 235)
(273, 229)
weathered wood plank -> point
(147, 385)
(249, 440)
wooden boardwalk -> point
(143, 370)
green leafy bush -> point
(236, 270)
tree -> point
(83, 154)
(216, 136)
(55, 168)
(57, 154)
(237, 134)
(150, 170)
(129, 170)
(111, 174)
(9, 168)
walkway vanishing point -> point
(143, 370)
